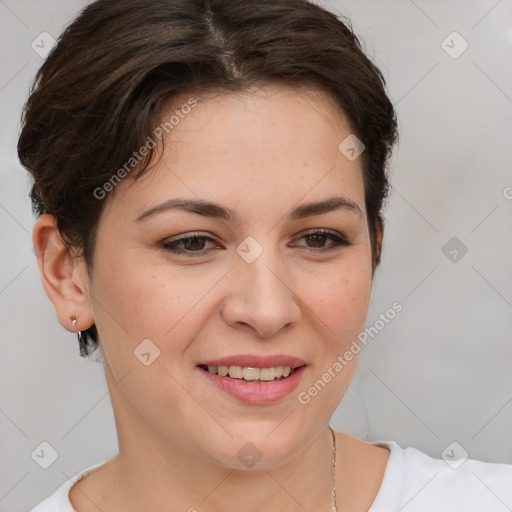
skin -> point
(260, 153)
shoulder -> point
(423, 483)
(59, 500)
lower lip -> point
(256, 392)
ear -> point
(379, 235)
(63, 275)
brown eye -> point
(192, 244)
(316, 239)
(195, 243)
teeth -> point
(236, 372)
(251, 374)
(248, 373)
(267, 373)
(221, 370)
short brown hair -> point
(95, 99)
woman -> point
(209, 178)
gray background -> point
(439, 372)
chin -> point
(254, 453)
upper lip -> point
(255, 361)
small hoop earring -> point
(81, 340)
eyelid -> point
(186, 236)
(310, 231)
(335, 235)
(339, 241)
(323, 231)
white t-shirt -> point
(413, 482)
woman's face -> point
(258, 284)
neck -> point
(154, 471)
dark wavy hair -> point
(95, 99)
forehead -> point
(271, 115)
(274, 143)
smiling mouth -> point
(251, 374)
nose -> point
(260, 297)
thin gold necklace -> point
(334, 506)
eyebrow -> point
(217, 211)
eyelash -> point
(171, 246)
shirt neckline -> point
(391, 487)
(387, 498)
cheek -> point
(340, 302)
(138, 300)
(340, 307)
(153, 302)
